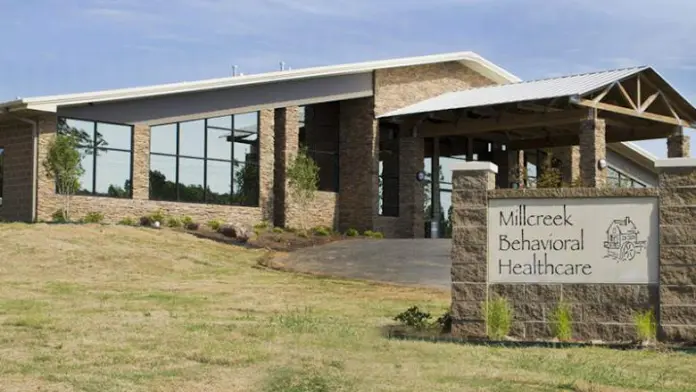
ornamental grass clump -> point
(562, 322)
(646, 326)
(497, 314)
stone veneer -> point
(678, 250)
(16, 139)
(396, 88)
(358, 164)
(678, 144)
(599, 311)
(116, 209)
(593, 147)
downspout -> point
(35, 164)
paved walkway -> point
(418, 262)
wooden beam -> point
(645, 105)
(604, 93)
(573, 139)
(508, 122)
(629, 112)
(628, 97)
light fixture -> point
(602, 164)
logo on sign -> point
(622, 240)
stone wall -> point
(322, 211)
(396, 88)
(116, 209)
(600, 311)
(678, 250)
(358, 164)
(17, 141)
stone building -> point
(220, 148)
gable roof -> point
(519, 92)
(51, 103)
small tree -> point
(303, 178)
(550, 176)
(63, 164)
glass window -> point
(192, 138)
(389, 178)
(617, 179)
(213, 161)
(106, 156)
(318, 133)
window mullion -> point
(176, 177)
(232, 162)
(94, 159)
(205, 160)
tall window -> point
(319, 127)
(106, 151)
(206, 161)
(389, 171)
(2, 171)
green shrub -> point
(646, 326)
(322, 231)
(127, 221)
(373, 234)
(414, 318)
(498, 316)
(186, 220)
(352, 233)
(93, 217)
(261, 226)
(444, 322)
(173, 222)
(215, 224)
(59, 216)
(278, 230)
(302, 234)
(158, 216)
(562, 322)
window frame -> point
(205, 159)
(94, 155)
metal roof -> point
(519, 92)
(51, 103)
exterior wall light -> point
(420, 176)
(602, 164)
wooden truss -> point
(633, 104)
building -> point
(220, 148)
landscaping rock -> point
(237, 231)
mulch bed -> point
(279, 242)
(399, 332)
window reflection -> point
(217, 161)
(106, 155)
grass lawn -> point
(106, 308)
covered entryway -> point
(577, 119)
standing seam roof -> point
(519, 92)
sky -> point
(59, 46)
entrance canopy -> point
(636, 103)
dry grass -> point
(97, 308)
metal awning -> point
(578, 89)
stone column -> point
(471, 182)
(411, 191)
(678, 144)
(141, 162)
(358, 165)
(593, 148)
(286, 124)
(266, 162)
(677, 316)
(570, 158)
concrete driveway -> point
(418, 262)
